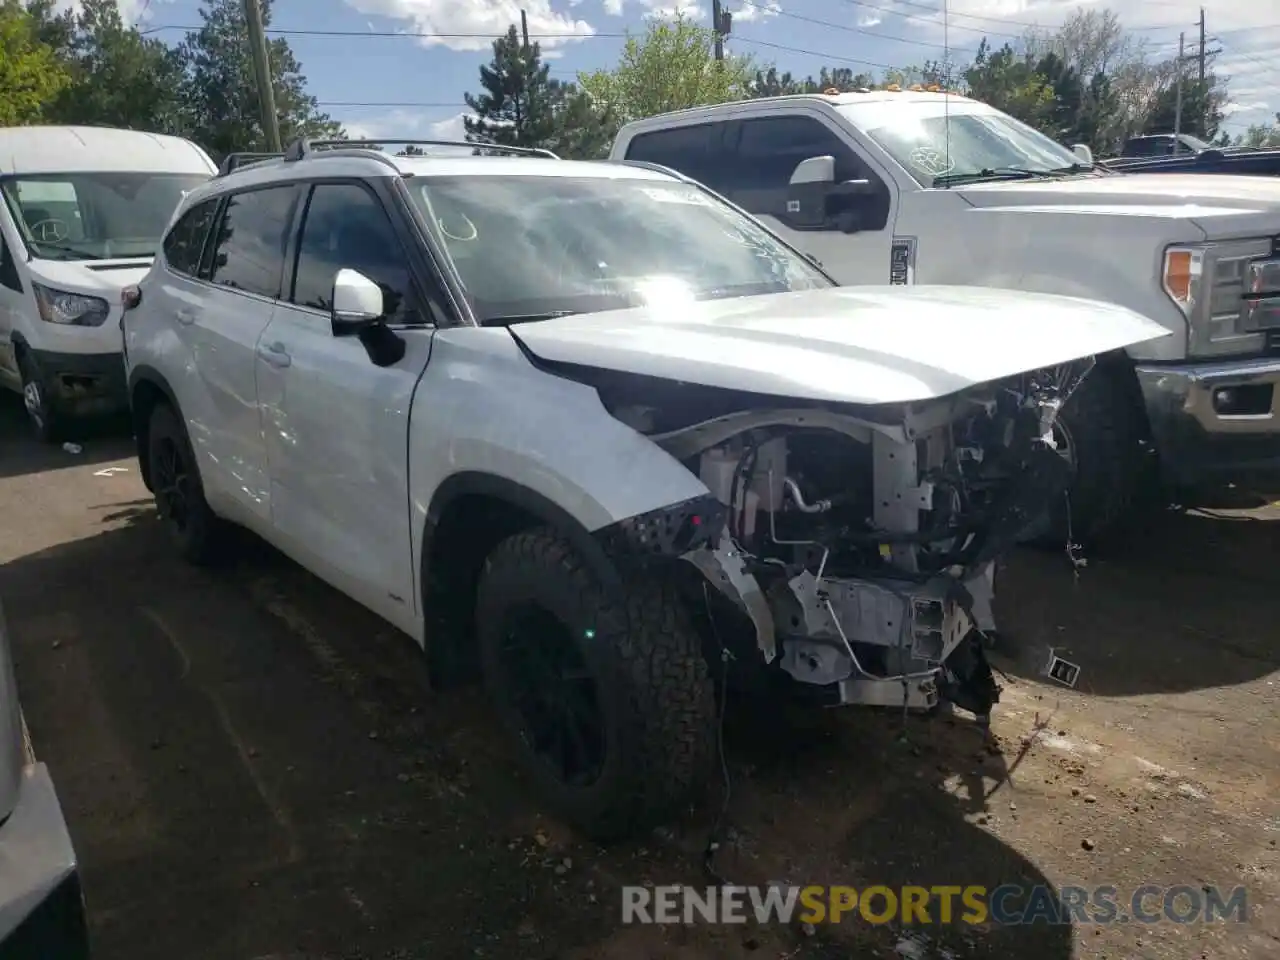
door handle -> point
(275, 354)
(186, 317)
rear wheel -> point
(608, 702)
(175, 480)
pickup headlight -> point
(1223, 288)
(69, 309)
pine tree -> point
(521, 104)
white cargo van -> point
(82, 210)
(913, 186)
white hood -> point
(864, 345)
(1220, 204)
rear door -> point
(336, 423)
(220, 315)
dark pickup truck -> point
(1162, 153)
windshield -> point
(529, 246)
(937, 143)
(95, 216)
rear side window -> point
(185, 242)
(249, 248)
(691, 150)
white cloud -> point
(489, 18)
(870, 20)
(131, 11)
(757, 10)
(405, 125)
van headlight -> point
(1222, 289)
(69, 309)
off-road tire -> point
(656, 697)
(200, 540)
(47, 424)
(1104, 423)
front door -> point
(11, 302)
(337, 424)
(761, 154)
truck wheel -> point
(44, 419)
(1098, 434)
(175, 478)
(608, 700)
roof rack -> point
(234, 161)
(305, 147)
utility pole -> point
(524, 57)
(1177, 113)
(262, 74)
(1200, 90)
(717, 18)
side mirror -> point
(812, 185)
(357, 303)
(1083, 153)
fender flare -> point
(477, 483)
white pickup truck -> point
(906, 187)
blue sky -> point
(410, 85)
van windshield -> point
(94, 216)
(528, 246)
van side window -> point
(692, 150)
(9, 267)
(346, 227)
(248, 250)
(185, 242)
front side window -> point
(248, 252)
(346, 227)
(770, 148)
(95, 216)
(526, 246)
(937, 142)
(185, 242)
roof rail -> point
(305, 147)
(234, 161)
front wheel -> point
(608, 701)
(1099, 434)
(43, 417)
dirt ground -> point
(254, 767)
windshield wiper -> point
(63, 248)
(513, 318)
(990, 173)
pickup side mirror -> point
(813, 185)
(1083, 153)
(357, 303)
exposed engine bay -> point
(861, 542)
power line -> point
(815, 53)
(409, 34)
(938, 12)
(840, 26)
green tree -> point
(519, 104)
(1008, 81)
(769, 83)
(119, 77)
(522, 106)
(1202, 108)
(219, 98)
(1261, 135)
(672, 67)
(31, 74)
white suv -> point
(595, 431)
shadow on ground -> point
(21, 454)
(1191, 601)
(251, 764)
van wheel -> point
(608, 701)
(175, 480)
(44, 419)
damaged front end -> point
(860, 542)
